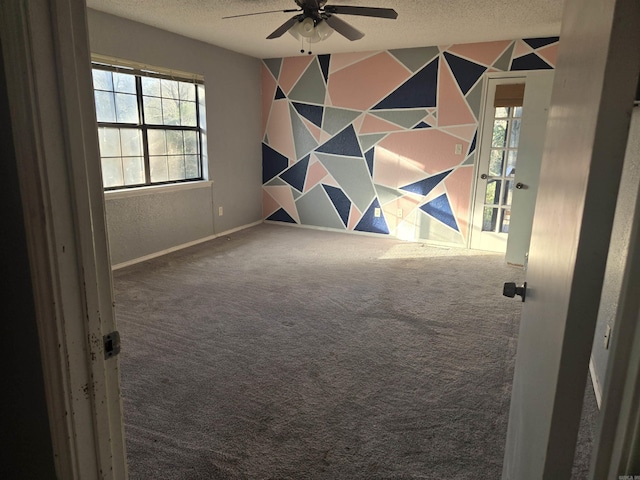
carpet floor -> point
(288, 353)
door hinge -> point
(111, 343)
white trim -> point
(182, 246)
(155, 189)
(597, 389)
(55, 141)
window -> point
(150, 127)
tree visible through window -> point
(150, 127)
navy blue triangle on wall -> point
(297, 174)
(423, 187)
(421, 125)
(440, 209)
(279, 94)
(281, 216)
(273, 163)
(529, 62)
(313, 113)
(465, 72)
(343, 143)
(536, 43)
(370, 223)
(340, 201)
(324, 66)
(368, 156)
(472, 147)
(421, 90)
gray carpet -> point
(288, 353)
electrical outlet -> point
(220, 211)
(607, 337)
(399, 213)
(458, 149)
(376, 212)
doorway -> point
(512, 134)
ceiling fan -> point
(316, 20)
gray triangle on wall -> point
(504, 62)
(474, 99)
(415, 58)
(273, 64)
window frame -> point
(144, 127)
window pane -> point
(170, 111)
(508, 192)
(133, 170)
(489, 219)
(105, 107)
(188, 114)
(152, 110)
(174, 142)
(499, 133)
(515, 134)
(112, 172)
(495, 163)
(517, 112)
(102, 80)
(191, 166)
(202, 109)
(502, 112)
(170, 89)
(151, 86)
(511, 163)
(506, 219)
(157, 142)
(176, 167)
(126, 108)
(492, 195)
(124, 83)
(109, 142)
(159, 171)
(131, 141)
(187, 91)
(190, 142)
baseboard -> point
(182, 246)
(597, 389)
(430, 243)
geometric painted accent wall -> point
(350, 136)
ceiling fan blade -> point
(343, 28)
(363, 11)
(282, 29)
(262, 13)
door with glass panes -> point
(512, 133)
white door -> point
(537, 97)
(504, 130)
(582, 162)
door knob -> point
(520, 185)
(511, 290)
(483, 176)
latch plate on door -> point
(111, 342)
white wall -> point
(142, 225)
(618, 250)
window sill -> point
(155, 189)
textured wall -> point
(232, 84)
(346, 134)
(618, 251)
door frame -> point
(487, 77)
(46, 53)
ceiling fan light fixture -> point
(308, 30)
(306, 27)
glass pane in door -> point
(502, 167)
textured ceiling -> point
(419, 23)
